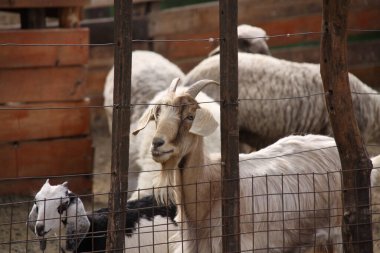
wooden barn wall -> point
(276, 17)
(44, 143)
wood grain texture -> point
(20, 125)
(42, 84)
(48, 157)
(43, 56)
(41, 3)
(356, 165)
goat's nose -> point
(157, 142)
(40, 229)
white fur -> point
(265, 77)
(151, 73)
(290, 192)
(49, 198)
(251, 39)
(150, 169)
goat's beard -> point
(165, 183)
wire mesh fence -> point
(285, 211)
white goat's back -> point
(295, 184)
(143, 239)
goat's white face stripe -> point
(167, 124)
(47, 200)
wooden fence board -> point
(79, 185)
(367, 52)
(42, 84)
(41, 3)
(203, 18)
(37, 56)
(19, 125)
(48, 158)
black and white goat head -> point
(55, 207)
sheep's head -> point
(251, 39)
(56, 207)
(180, 122)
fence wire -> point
(270, 225)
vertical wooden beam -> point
(33, 18)
(229, 125)
(120, 125)
(356, 166)
(70, 17)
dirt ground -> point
(14, 237)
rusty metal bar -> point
(356, 165)
(120, 125)
(229, 125)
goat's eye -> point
(157, 113)
(35, 203)
(190, 117)
(62, 207)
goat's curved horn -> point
(198, 86)
(173, 85)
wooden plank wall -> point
(43, 143)
(276, 17)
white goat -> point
(290, 192)
(57, 208)
(251, 39)
(150, 169)
(264, 77)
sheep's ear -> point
(32, 219)
(77, 224)
(204, 123)
(143, 121)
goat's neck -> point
(197, 186)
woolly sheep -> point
(265, 77)
(151, 73)
(57, 207)
(251, 39)
(295, 183)
(149, 168)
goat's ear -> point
(32, 219)
(143, 121)
(64, 184)
(47, 181)
(204, 123)
(77, 225)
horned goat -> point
(251, 39)
(265, 111)
(284, 202)
(150, 169)
(57, 207)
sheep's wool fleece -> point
(265, 81)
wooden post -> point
(356, 166)
(120, 125)
(33, 18)
(229, 125)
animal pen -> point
(235, 222)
